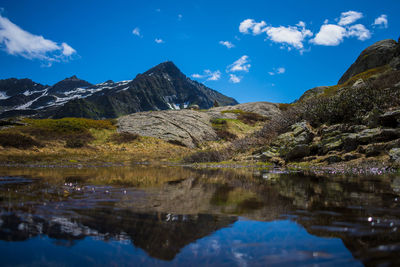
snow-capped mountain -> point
(162, 87)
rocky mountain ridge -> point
(161, 88)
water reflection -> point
(221, 217)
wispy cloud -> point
(136, 32)
(382, 21)
(159, 41)
(18, 42)
(227, 44)
(242, 64)
(234, 79)
(349, 17)
(250, 25)
(279, 70)
(208, 75)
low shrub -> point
(75, 143)
(225, 134)
(18, 140)
(251, 118)
(78, 140)
(123, 137)
(63, 128)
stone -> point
(394, 155)
(333, 143)
(186, 127)
(351, 156)
(358, 84)
(390, 119)
(333, 159)
(298, 152)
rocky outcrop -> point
(184, 127)
(336, 143)
(263, 108)
(187, 127)
(379, 54)
(292, 145)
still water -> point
(176, 216)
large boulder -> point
(184, 127)
(376, 55)
(294, 144)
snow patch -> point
(3, 95)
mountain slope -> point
(160, 88)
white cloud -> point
(67, 50)
(250, 24)
(291, 35)
(18, 42)
(159, 41)
(136, 32)
(227, 44)
(330, 35)
(288, 35)
(279, 70)
(197, 76)
(381, 21)
(358, 31)
(240, 65)
(213, 75)
(349, 17)
(234, 79)
(208, 75)
(333, 35)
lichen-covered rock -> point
(297, 152)
(394, 154)
(295, 143)
(185, 127)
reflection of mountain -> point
(160, 235)
(168, 211)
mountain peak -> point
(165, 67)
(68, 84)
(72, 78)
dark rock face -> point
(376, 55)
(69, 84)
(160, 88)
(13, 86)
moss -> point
(331, 90)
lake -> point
(178, 216)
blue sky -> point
(250, 50)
